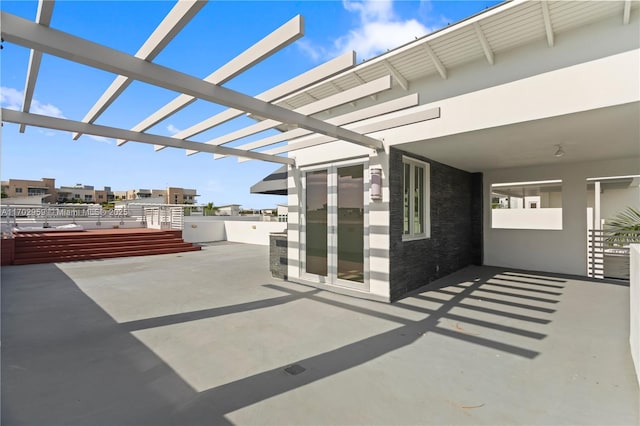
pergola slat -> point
(358, 92)
(412, 116)
(351, 117)
(170, 26)
(281, 37)
(325, 70)
(43, 17)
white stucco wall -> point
(199, 229)
(561, 251)
(634, 336)
(613, 200)
(252, 232)
(526, 218)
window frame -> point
(426, 199)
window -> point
(18, 190)
(527, 205)
(415, 187)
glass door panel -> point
(350, 238)
(316, 225)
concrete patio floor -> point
(207, 338)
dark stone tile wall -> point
(278, 255)
(456, 226)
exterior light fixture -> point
(559, 152)
(375, 189)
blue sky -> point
(221, 30)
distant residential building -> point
(145, 194)
(77, 193)
(229, 210)
(171, 195)
(45, 187)
(105, 195)
(181, 196)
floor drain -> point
(294, 369)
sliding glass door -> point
(335, 214)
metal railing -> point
(163, 217)
(608, 253)
(48, 215)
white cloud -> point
(316, 53)
(45, 109)
(12, 98)
(173, 129)
(379, 28)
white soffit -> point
(22, 32)
(43, 17)
(281, 37)
(170, 26)
(503, 27)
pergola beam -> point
(276, 40)
(548, 27)
(12, 116)
(170, 26)
(20, 31)
(436, 61)
(325, 70)
(43, 17)
(484, 43)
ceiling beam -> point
(359, 80)
(548, 26)
(43, 17)
(12, 116)
(436, 61)
(351, 117)
(396, 74)
(358, 92)
(626, 17)
(28, 34)
(483, 41)
(276, 40)
(171, 25)
(325, 70)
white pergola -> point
(295, 106)
(270, 108)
